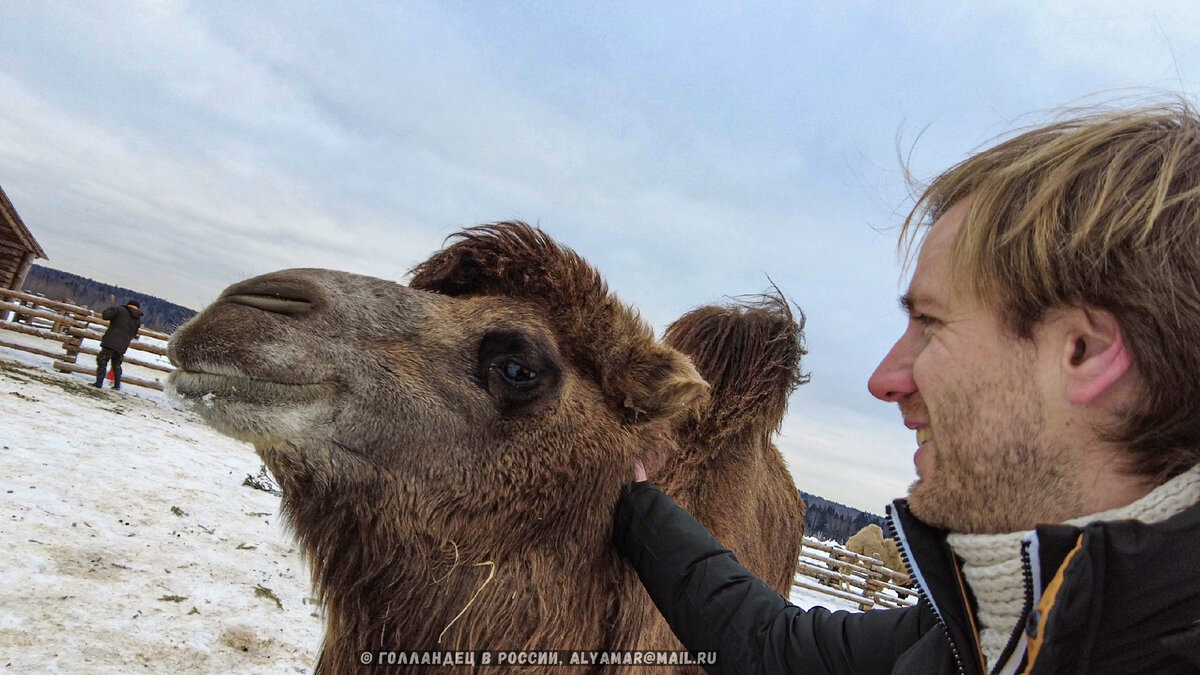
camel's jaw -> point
(250, 409)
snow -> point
(128, 540)
(802, 597)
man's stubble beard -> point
(995, 473)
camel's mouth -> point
(254, 410)
(235, 387)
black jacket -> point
(1116, 597)
(123, 325)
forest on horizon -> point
(158, 314)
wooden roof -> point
(11, 221)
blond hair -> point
(1099, 210)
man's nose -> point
(893, 377)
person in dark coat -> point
(123, 325)
(1049, 371)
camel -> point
(750, 355)
(870, 543)
(728, 473)
(450, 452)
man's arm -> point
(713, 603)
(109, 313)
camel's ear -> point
(657, 383)
(458, 270)
(511, 259)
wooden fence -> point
(70, 325)
(850, 576)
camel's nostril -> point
(271, 303)
(289, 297)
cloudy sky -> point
(688, 150)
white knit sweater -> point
(992, 562)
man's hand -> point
(639, 472)
(654, 458)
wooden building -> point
(18, 248)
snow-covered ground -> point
(129, 542)
(127, 539)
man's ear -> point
(1095, 356)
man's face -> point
(975, 396)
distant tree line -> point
(158, 314)
(824, 519)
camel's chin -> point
(248, 409)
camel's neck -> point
(706, 466)
(432, 582)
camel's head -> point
(505, 372)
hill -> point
(160, 314)
(825, 519)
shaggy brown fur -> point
(729, 474)
(749, 353)
(451, 452)
(750, 356)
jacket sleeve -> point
(109, 313)
(712, 603)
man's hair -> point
(1100, 210)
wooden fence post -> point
(71, 347)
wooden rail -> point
(65, 308)
(23, 310)
(849, 576)
(67, 366)
(70, 325)
(140, 346)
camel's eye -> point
(518, 375)
(517, 369)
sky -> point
(690, 151)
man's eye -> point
(924, 320)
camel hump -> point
(749, 352)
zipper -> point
(1019, 630)
(922, 587)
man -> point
(1050, 369)
(123, 325)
